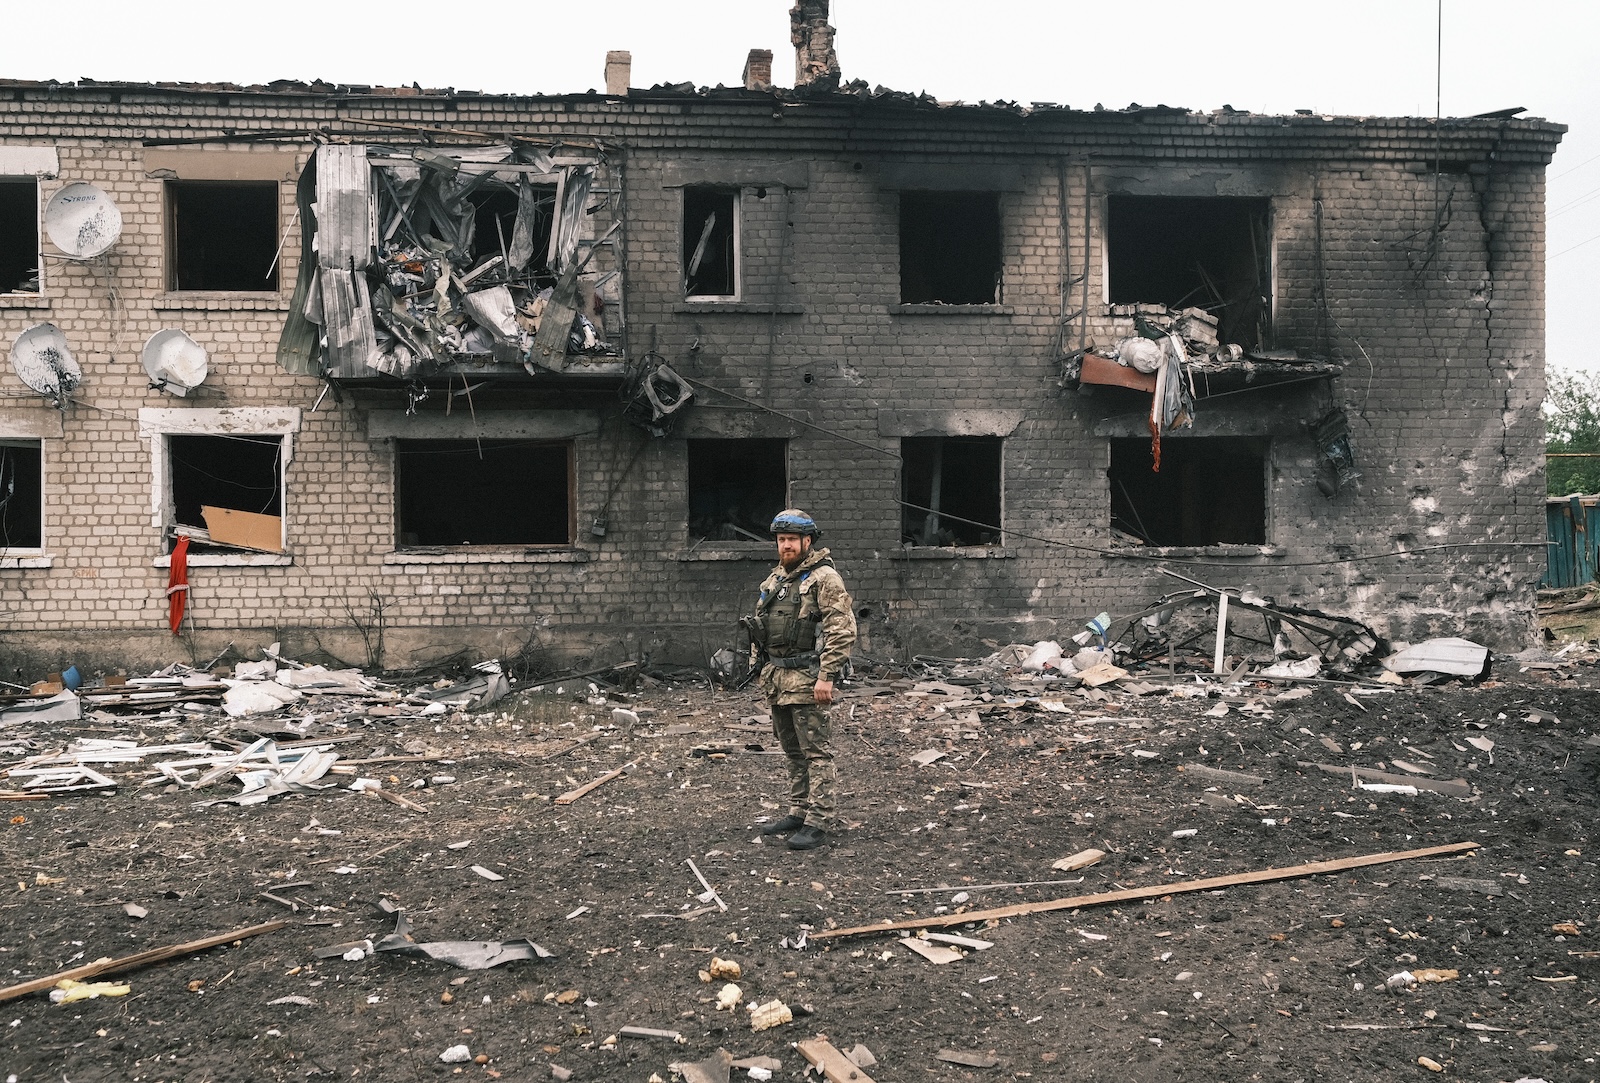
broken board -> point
(834, 1065)
(244, 529)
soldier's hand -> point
(822, 691)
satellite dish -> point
(175, 362)
(82, 221)
(43, 361)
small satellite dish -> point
(175, 362)
(82, 221)
(43, 361)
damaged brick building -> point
(406, 371)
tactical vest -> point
(789, 618)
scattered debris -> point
(771, 1014)
(465, 954)
(572, 795)
(970, 1060)
(1453, 656)
(831, 1064)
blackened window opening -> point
(959, 478)
(224, 235)
(1210, 491)
(494, 222)
(240, 473)
(490, 492)
(21, 494)
(950, 248)
(736, 487)
(710, 242)
(1209, 252)
(19, 236)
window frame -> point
(998, 292)
(737, 191)
(786, 452)
(38, 232)
(1264, 445)
(30, 556)
(498, 552)
(157, 424)
(170, 285)
(985, 548)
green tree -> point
(1572, 424)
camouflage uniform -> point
(789, 611)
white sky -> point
(1354, 57)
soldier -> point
(803, 629)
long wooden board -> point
(834, 1065)
(128, 962)
(572, 795)
(1262, 876)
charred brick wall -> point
(1411, 256)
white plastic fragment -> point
(456, 1054)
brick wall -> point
(1443, 379)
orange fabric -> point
(178, 584)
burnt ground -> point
(1280, 981)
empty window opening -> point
(21, 495)
(490, 492)
(951, 488)
(224, 235)
(711, 242)
(1211, 252)
(19, 235)
(494, 222)
(736, 487)
(1210, 491)
(235, 473)
(950, 248)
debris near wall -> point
(423, 259)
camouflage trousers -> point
(803, 729)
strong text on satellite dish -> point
(82, 221)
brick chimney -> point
(815, 64)
(758, 70)
(619, 67)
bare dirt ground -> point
(1278, 981)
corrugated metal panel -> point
(347, 310)
(346, 227)
(1572, 526)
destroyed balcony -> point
(478, 269)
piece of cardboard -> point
(246, 529)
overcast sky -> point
(1354, 57)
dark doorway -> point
(736, 487)
(1208, 252)
(1210, 491)
(950, 248)
(958, 477)
(513, 493)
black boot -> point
(807, 838)
(784, 826)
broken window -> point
(227, 489)
(223, 235)
(736, 487)
(484, 492)
(1210, 252)
(1210, 491)
(21, 495)
(19, 235)
(951, 487)
(711, 242)
(950, 248)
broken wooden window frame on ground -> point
(952, 247)
(712, 242)
(222, 236)
(481, 471)
(158, 425)
(735, 486)
(946, 490)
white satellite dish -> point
(43, 361)
(175, 362)
(82, 221)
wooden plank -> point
(1217, 774)
(1212, 883)
(834, 1065)
(1453, 788)
(934, 953)
(572, 795)
(143, 958)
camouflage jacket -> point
(809, 621)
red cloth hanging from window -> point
(178, 584)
